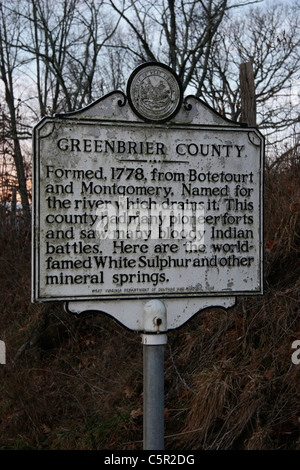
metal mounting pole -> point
(154, 339)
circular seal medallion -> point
(154, 92)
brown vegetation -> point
(76, 383)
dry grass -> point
(76, 383)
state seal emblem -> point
(154, 92)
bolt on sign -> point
(146, 195)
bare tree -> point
(64, 40)
(50, 36)
(178, 33)
(55, 47)
(269, 37)
(9, 61)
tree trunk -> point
(7, 78)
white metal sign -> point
(130, 205)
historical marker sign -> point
(150, 197)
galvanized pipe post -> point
(154, 339)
